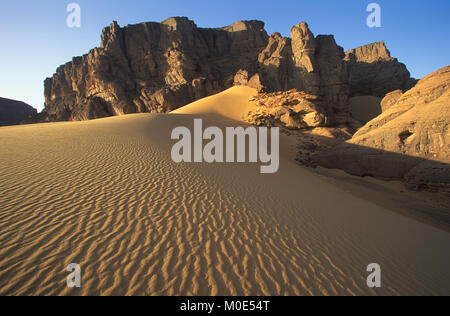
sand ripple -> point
(106, 195)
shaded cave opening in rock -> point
(404, 136)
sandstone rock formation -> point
(290, 109)
(390, 99)
(311, 64)
(14, 112)
(242, 78)
(305, 85)
(409, 141)
(158, 67)
(372, 71)
(152, 67)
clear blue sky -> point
(35, 39)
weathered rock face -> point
(158, 67)
(242, 78)
(152, 67)
(390, 99)
(311, 64)
(372, 71)
(14, 112)
(409, 141)
(291, 109)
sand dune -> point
(232, 103)
(106, 194)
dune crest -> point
(233, 103)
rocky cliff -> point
(157, 67)
(14, 112)
(311, 64)
(408, 141)
(372, 71)
(152, 67)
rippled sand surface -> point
(105, 194)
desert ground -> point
(106, 194)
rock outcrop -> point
(14, 112)
(291, 109)
(158, 67)
(390, 99)
(311, 64)
(372, 71)
(408, 141)
(152, 67)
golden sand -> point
(105, 194)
